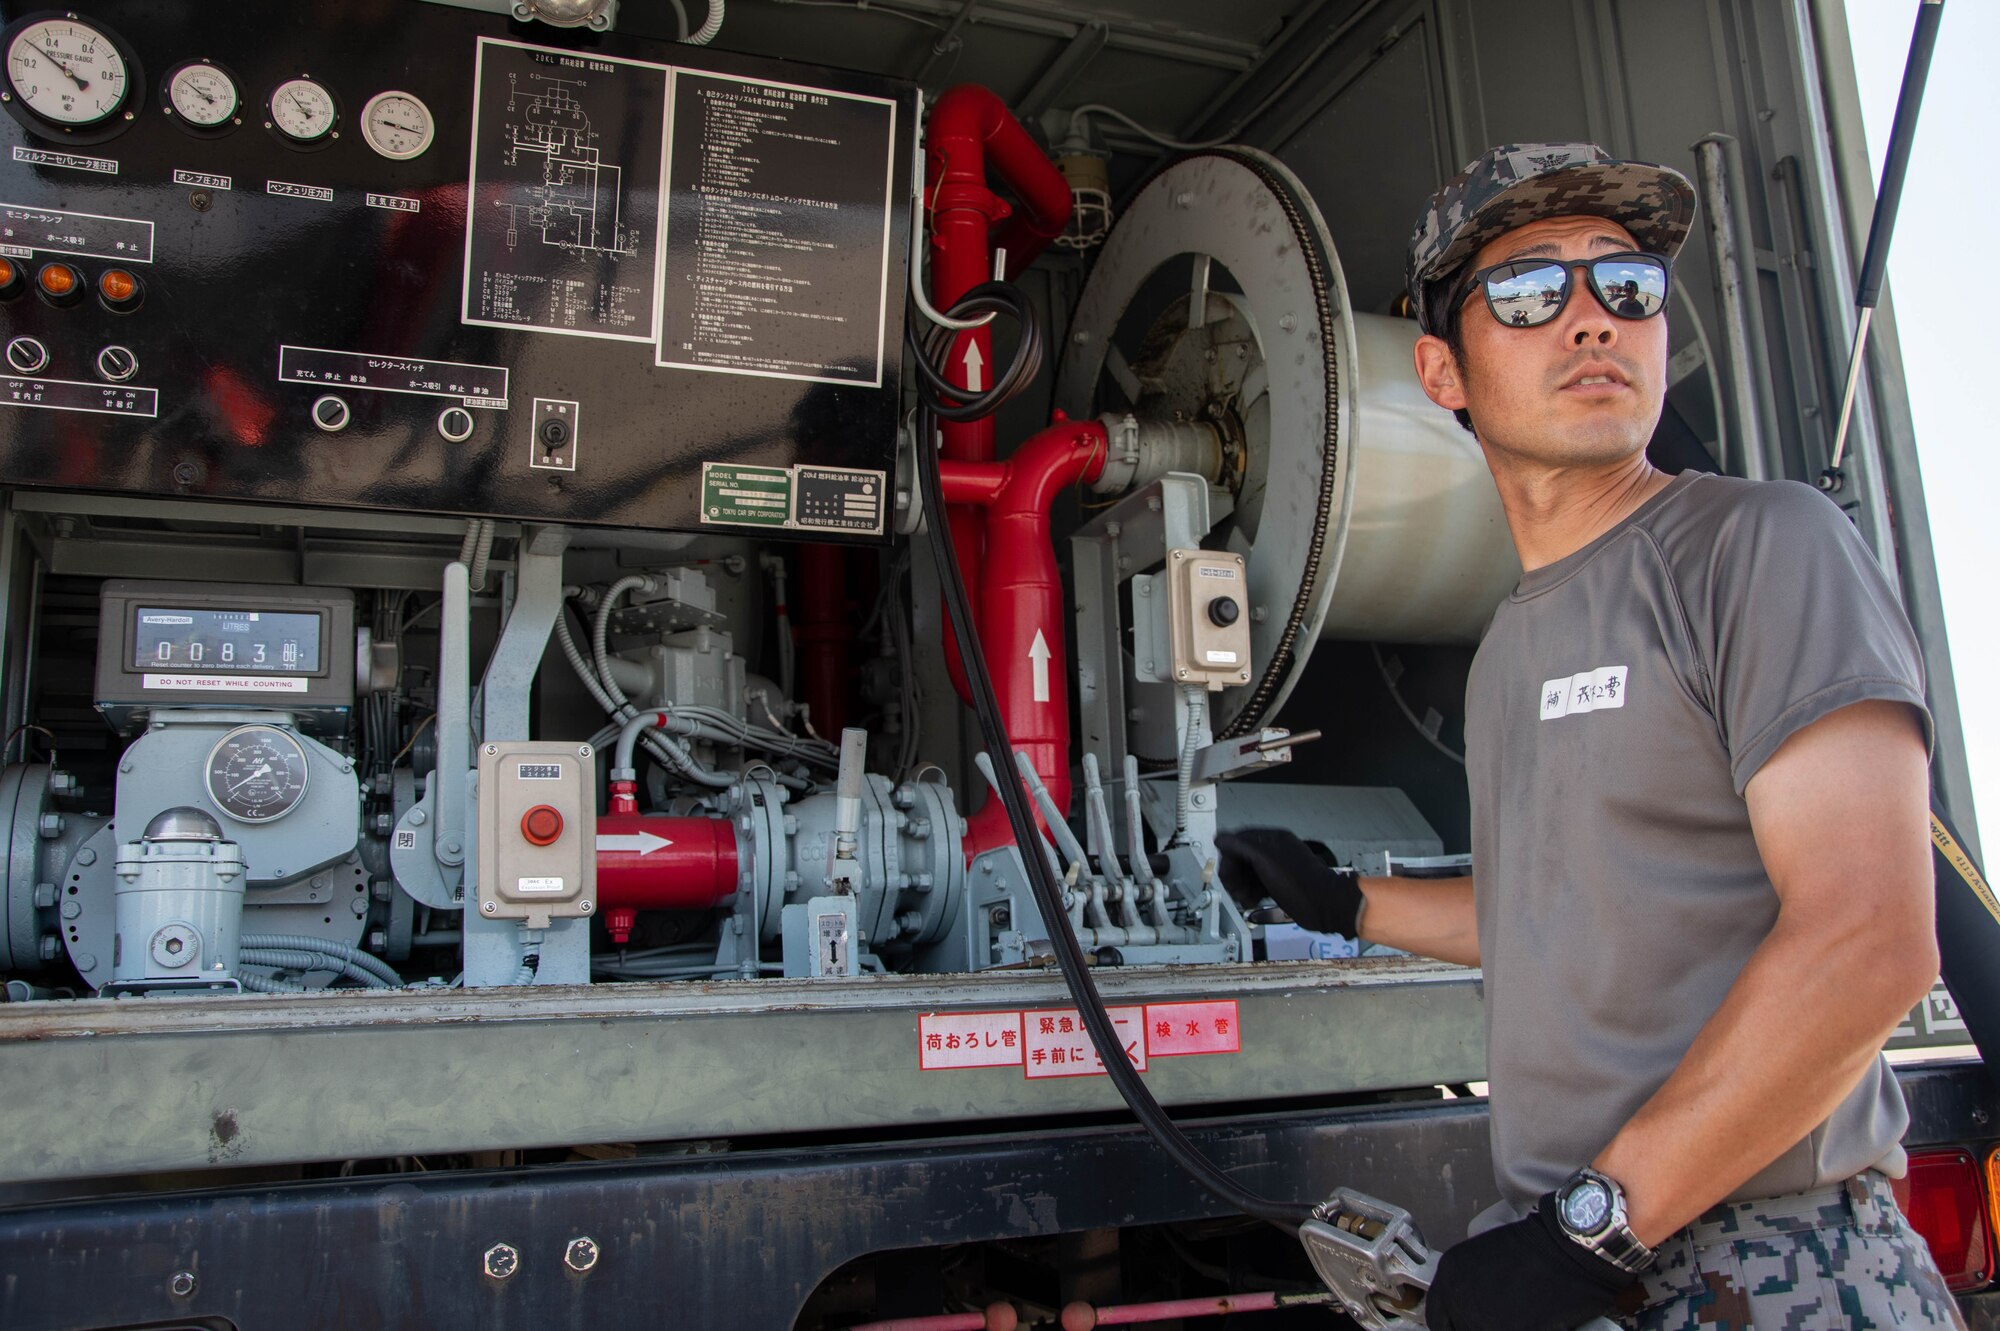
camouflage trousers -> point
(1840, 1258)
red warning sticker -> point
(1055, 1044)
(969, 1040)
(1192, 1028)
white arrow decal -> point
(974, 363)
(636, 843)
(1038, 656)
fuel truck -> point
(549, 547)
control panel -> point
(537, 831)
(412, 256)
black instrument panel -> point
(498, 269)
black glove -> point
(1527, 1276)
(1275, 863)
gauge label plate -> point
(474, 385)
(286, 189)
(103, 166)
(227, 683)
(56, 232)
(395, 203)
(203, 180)
(70, 395)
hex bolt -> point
(72, 908)
(51, 825)
(378, 940)
(581, 1254)
(181, 1283)
(86, 857)
(502, 1261)
(51, 947)
(418, 818)
(45, 895)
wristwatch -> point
(1590, 1209)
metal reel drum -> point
(1362, 510)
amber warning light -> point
(119, 289)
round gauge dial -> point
(303, 110)
(202, 95)
(257, 773)
(67, 72)
(397, 124)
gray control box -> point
(537, 831)
(1209, 618)
(207, 644)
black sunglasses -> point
(1526, 293)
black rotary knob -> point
(1223, 611)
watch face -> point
(1586, 1207)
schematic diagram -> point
(575, 205)
(563, 216)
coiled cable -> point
(953, 402)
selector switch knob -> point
(27, 355)
(542, 825)
(455, 424)
(117, 364)
(330, 413)
(1223, 611)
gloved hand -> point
(1527, 1276)
(1274, 862)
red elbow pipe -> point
(969, 132)
(1019, 599)
(646, 863)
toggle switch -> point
(27, 355)
(330, 413)
(117, 364)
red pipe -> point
(970, 131)
(661, 864)
(824, 632)
(1019, 598)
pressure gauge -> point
(304, 111)
(202, 96)
(69, 73)
(397, 124)
(257, 773)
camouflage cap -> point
(1519, 183)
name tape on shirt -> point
(1591, 691)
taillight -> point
(1943, 1199)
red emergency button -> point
(541, 825)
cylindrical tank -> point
(179, 903)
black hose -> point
(1048, 893)
(952, 402)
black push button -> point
(1223, 611)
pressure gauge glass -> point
(257, 773)
(397, 124)
(67, 72)
(202, 95)
(303, 111)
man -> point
(1696, 746)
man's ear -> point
(1437, 371)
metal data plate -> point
(506, 322)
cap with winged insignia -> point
(1518, 183)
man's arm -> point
(1841, 817)
(1428, 916)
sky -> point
(1948, 319)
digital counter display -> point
(251, 641)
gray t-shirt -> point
(1620, 702)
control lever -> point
(1371, 1256)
